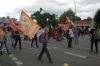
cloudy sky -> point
(13, 8)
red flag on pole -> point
(69, 22)
(13, 25)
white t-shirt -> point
(71, 33)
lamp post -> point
(42, 10)
(75, 9)
(47, 19)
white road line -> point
(81, 56)
(16, 60)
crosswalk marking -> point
(15, 59)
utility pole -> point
(75, 9)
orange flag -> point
(13, 25)
(28, 26)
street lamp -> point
(42, 10)
(75, 9)
(47, 19)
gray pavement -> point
(78, 55)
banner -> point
(28, 26)
(12, 24)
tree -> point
(45, 19)
(97, 19)
(70, 14)
(77, 18)
(89, 18)
(39, 17)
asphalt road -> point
(78, 55)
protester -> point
(93, 41)
(3, 41)
(44, 41)
(17, 39)
(71, 35)
(35, 38)
(76, 35)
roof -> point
(83, 23)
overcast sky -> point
(13, 8)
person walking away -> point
(44, 41)
(93, 41)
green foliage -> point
(97, 19)
(70, 14)
(89, 18)
(77, 18)
(45, 19)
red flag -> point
(69, 22)
(13, 25)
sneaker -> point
(1, 53)
(96, 52)
(39, 59)
(50, 61)
(20, 48)
(9, 53)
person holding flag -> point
(17, 39)
(3, 41)
(16, 32)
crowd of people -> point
(57, 33)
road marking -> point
(16, 60)
(65, 64)
(81, 56)
(54, 47)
